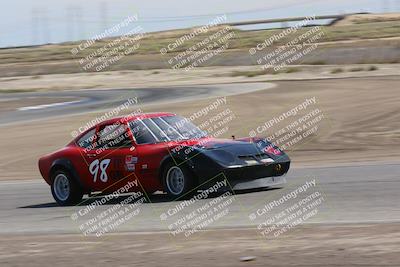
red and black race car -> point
(158, 152)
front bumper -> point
(247, 177)
(256, 171)
(258, 183)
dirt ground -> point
(365, 18)
(308, 245)
(355, 39)
(169, 77)
(361, 123)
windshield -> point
(164, 129)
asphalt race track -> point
(97, 100)
(352, 194)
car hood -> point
(240, 152)
(238, 148)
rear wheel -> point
(178, 181)
(65, 190)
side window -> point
(114, 136)
(87, 140)
(142, 133)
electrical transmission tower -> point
(41, 32)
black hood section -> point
(236, 148)
(237, 152)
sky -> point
(32, 22)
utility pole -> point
(78, 22)
(35, 26)
(69, 20)
(385, 4)
(45, 26)
(103, 16)
(41, 32)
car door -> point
(110, 161)
(152, 148)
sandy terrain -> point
(368, 38)
(313, 245)
(367, 18)
(362, 118)
(362, 122)
(169, 77)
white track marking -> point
(48, 105)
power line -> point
(104, 18)
(256, 10)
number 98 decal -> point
(102, 165)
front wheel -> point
(65, 190)
(178, 181)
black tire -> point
(188, 182)
(69, 197)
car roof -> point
(137, 116)
(126, 118)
